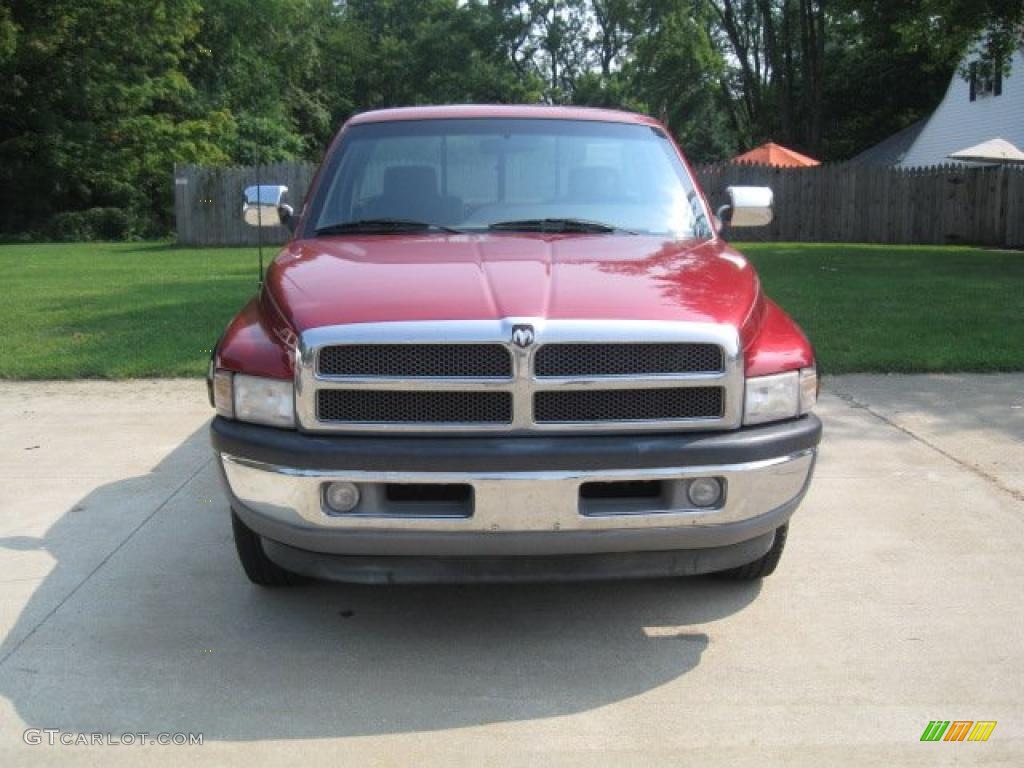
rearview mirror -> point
(263, 206)
(748, 207)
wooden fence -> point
(208, 201)
(830, 203)
(944, 204)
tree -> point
(99, 98)
(8, 35)
(777, 87)
(680, 75)
(948, 28)
(88, 120)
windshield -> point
(508, 175)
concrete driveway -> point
(899, 601)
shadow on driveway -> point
(167, 635)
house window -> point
(986, 79)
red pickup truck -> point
(508, 343)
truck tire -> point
(764, 565)
(258, 567)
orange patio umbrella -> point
(777, 156)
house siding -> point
(959, 123)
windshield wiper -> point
(382, 227)
(559, 225)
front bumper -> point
(526, 499)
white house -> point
(974, 110)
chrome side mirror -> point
(747, 207)
(263, 206)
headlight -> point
(264, 401)
(780, 396)
(254, 398)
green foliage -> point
(93, 113)
(8, 34)
(90, 224)
(680, 72)
(992, 28)
(434, 51)
(100, 98)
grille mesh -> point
(358, 406)
(628, 404)
(417, 360)
(557, 360)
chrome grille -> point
(490, 361)
(670, 404)
(566, 360)
(468, 376)
(370, 407)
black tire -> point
(258, 567)
(764, 565)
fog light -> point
(704, 491)
(342, 497)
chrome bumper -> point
(520, 502)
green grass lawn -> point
(117, 310)
(900, 308)
(150, 309)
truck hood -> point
(365, 279)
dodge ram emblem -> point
(522, 335)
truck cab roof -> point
(507, 111)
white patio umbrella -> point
(991, 151)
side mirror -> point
(748, 207)
(263, 207)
